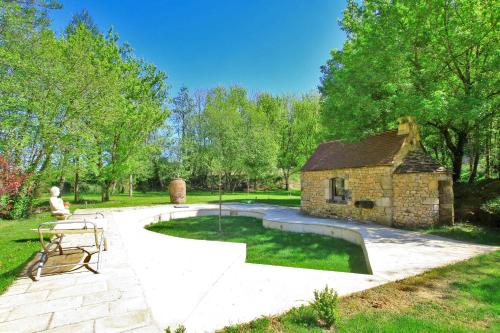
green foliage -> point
(295, 128)
(325, 305)
(492, 206)
(84, 102)
(21, 207)
(435, 60)
(179, 329)
(303, 316)
(222, 133)
(468, 233)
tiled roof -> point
(378, 149)
(419, 161)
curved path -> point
(152, 281)
(206, 285)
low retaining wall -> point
(333, 231)
(349, 235)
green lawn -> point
(467, 232)
(18, 243)
(93, 200)
(271, 247)
(464, 297)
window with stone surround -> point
(338, 193)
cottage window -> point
(337, 190)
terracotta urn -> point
(177, 190)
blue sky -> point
(263, 45)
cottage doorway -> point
(445, 202)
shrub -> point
(492, 206)
(304, 316)
(325, 305)
(179, 329)
(21, 205)
(15, 192)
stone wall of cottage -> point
(416, 199)
(369, 183)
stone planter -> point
(177, 190)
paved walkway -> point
(79, 301)
(203, 284)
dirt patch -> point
(434, 290)
(396, 296)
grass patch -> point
(467, 232)
(271, 247)
(463, 297)
(18, 243)
(93, 200)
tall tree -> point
(437, 60)
(182, 118)
(296, 126)
(224, 123)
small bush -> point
(492, 206)
(179, 329)
(325, 305)
(15, 191)
(304, 316)
(22, 205)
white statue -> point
(57, 204)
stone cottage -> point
(387, 178)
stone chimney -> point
(408, 126)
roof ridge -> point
(366, 137)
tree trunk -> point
(62, 180)
(106, 189)
(487, 170)
(76, 183)
(458, 156)
(160, 180)
(473, 170)
(487, 152)
(286, 176)
(220, 204)
(76, 186)
(130, 185)
(457, 150)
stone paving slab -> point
(151, 280)
(79, 301)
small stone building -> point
(387, 178)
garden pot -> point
(177, 190)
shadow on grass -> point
(6, 278)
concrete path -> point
(206, 285)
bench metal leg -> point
(101, 247)
(43, 259)
(59, 243)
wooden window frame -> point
(338, 194)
